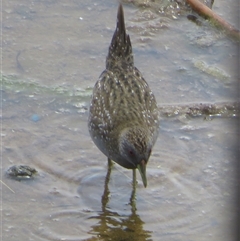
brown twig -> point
(205, 11)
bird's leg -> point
(133, 195)
(109, 170)
(106, 193)
(110, 163)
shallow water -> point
(53, 52)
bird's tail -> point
(120, 50)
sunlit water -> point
(192, 182)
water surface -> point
(53, 53)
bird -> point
(123, 119)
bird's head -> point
(135, 149)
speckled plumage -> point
(123, 120)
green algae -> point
(13, 84)
(212, 70)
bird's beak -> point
(142, 169)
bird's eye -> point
(131, 153)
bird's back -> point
(121, 97)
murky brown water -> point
(53, 52)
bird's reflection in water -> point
(116, 227)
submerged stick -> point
(224, 109)
(205, 11)
(7, 186)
